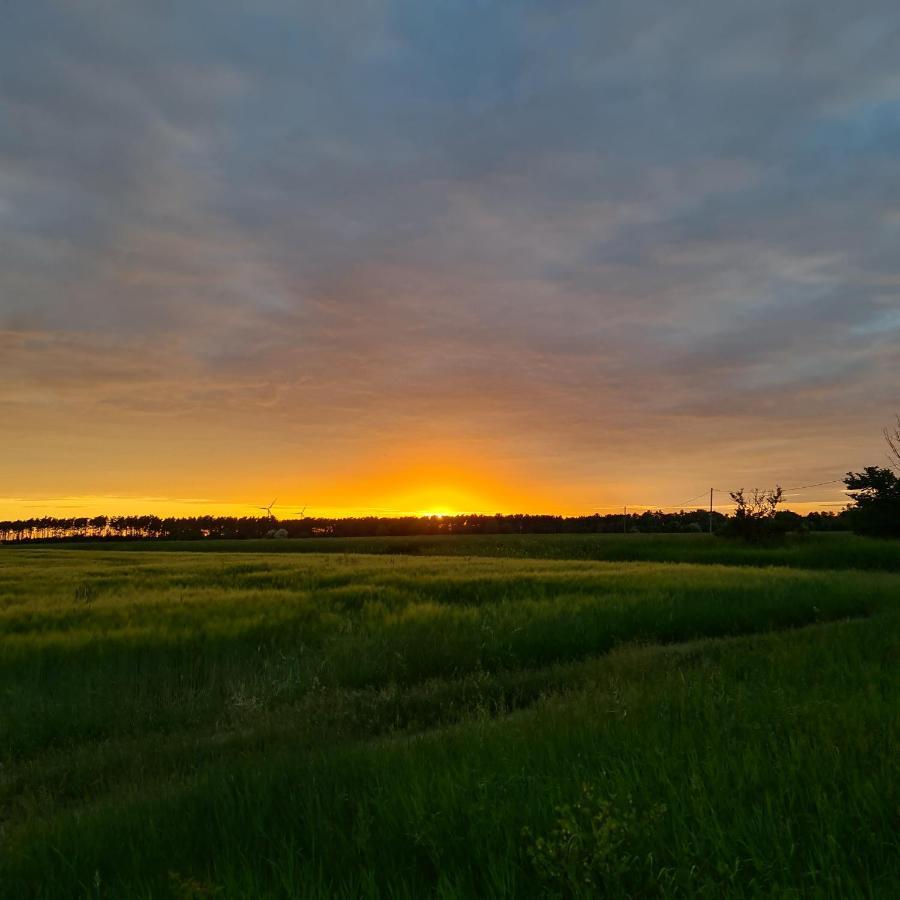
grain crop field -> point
(276, 724)
(813, 551)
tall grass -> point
(292, 726)
(815, 551)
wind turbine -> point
(302, 513)
(268, 509)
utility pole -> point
(624, 520)
(710, 508)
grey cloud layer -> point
(619, 215)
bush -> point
(756, 517)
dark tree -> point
(876, 492)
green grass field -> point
(815, 551)
(451, 723)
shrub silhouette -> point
(756, 518)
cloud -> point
(546, 232)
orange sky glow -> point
(389, 262)
(405, 488)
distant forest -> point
(114, 528)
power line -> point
(685, 502)
(803, 487)
(651, 505)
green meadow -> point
(812, 551)
(486, 716)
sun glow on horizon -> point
(425, 480)
(23, 508)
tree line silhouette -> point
(118, 528)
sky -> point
(383, 257)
